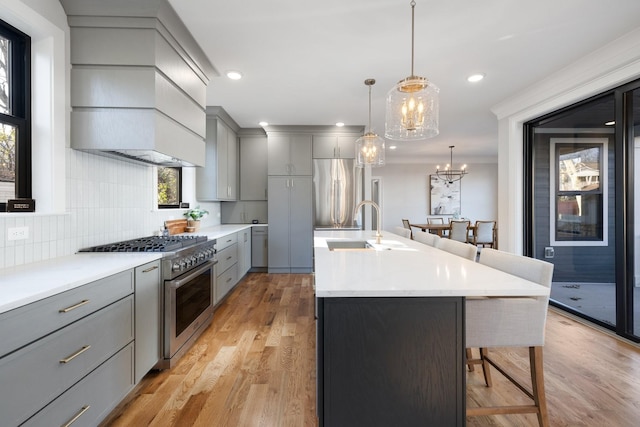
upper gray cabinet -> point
(218, 180)
(289, 154)
(253, 165)
(138, 82)
(334, 146)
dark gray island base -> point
(390, 361)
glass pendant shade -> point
(413, 109)
(370, 150)
(413, 105)
(369, 147)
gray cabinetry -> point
(253, 167)
(334, 146)
(244, 252)
(227, 267)
(259, 248)
(290, 224)
(289, 154)
(82, 329)
(148, 319)
(218, 179)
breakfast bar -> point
(390, 330)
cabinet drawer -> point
(59, 360)
(226, 241)
(99, 393)
(226, 258)
(225, 282)
(26, 324)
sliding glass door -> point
(581, 201)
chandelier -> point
(449, 174)
(369, 147)
(412, 104)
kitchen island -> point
(390, 330)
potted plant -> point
(193, 217)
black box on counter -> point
(21, 205)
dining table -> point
(439, 228)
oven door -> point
(188, 306)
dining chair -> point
(401, 231)
(511, 322)
(436, 220)
(484, 234)
(407, 225)
(426, 238)
(458, 248)
(459, 230)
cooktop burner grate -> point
(149, 244)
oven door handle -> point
(175, 284)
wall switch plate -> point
(17, 233)
(549, 252)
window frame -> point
(20, 99)
(179, 189)
(555, 192)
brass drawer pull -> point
(76, 416)
(73, 307)
(150, 269)
(76, 354)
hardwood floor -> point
(255, 366)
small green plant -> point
(196, 213)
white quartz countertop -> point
(408, 269)
(217, 231)
(28, 283)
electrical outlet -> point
(549, 252)
(17, 233)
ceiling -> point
(304, 62)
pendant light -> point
(412, 104)
(449, 174)
(369, 147)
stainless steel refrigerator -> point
(337, 189)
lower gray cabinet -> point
(35, 375)
(92, 398)
(148, 318)
(70, 357)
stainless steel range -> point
(188, 286)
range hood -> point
(138, 83)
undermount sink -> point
(349, 245)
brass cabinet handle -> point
(76, 354)
(150, 269)
(73, 307)
(76, 416)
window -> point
(578, 204)
(15, 114)
(169, 187)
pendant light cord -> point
(369, 108)
(413, 14)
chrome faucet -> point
(377, 208)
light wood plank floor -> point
(255, 366)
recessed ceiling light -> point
(475, 78)
(611, 123)
(263, 124)
(339, 124)
(393, 147)
(234, 75)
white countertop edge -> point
(28, 283)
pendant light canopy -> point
(413, 105)
(369, 147)
(449, 174)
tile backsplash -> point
(107, 200)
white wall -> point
(405, 192)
